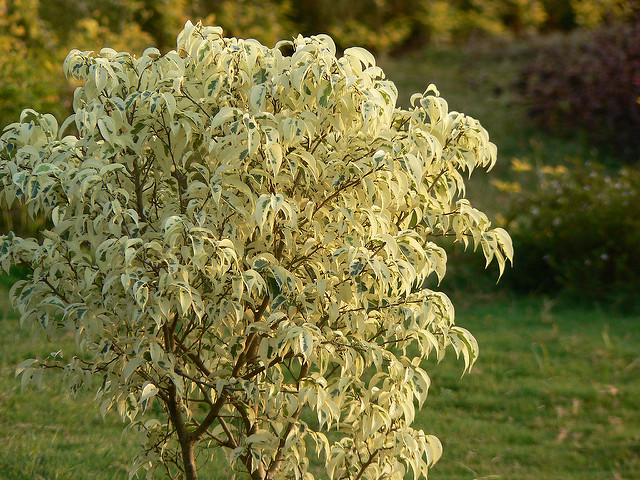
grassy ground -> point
(553, 396)
(47, 435)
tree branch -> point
(277, 460)
(367, 464)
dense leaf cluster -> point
(590, 81)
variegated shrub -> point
(240, 236)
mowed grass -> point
(47, 434)
(554, 395)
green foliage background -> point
(35, 35)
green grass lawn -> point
(554, 395)
(46, 434)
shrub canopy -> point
(241, 235)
